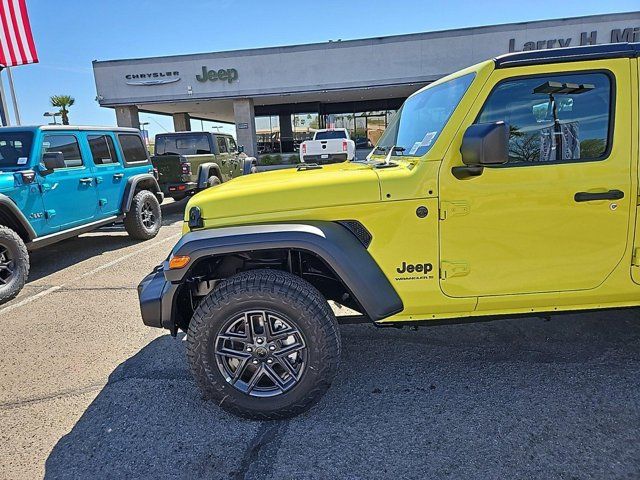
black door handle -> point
(590, 196)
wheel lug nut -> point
(269, 361)
(255, 362)
(272, 347)
(249, 349)
(260, 340)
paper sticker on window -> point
(22, 160)
(414, 149)
(428, 138)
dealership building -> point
(277, 96)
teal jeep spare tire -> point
(14, 264)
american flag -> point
(16, 41)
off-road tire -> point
(12, 244)
(213, 181)
(135, 223)
(281, 292)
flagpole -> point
(4, 112)
(13, 96)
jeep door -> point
(544, 221)
(235, 162)
(69, 194)
(108, 171)
(223, 158)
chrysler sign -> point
(152, 78)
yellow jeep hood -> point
(289, 189)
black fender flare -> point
(333, 243)
(132, 184)
(16, 214)
(204, 172)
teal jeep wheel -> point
(14, 264)
(264, 344)
(144, 218)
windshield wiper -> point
(392, 149)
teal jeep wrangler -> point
(57, 182)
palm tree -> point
(63, 102)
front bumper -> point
(157, 300)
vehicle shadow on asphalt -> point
(59, 256)
(519, 398)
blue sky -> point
(69, 34)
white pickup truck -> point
(328, 146)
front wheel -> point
(264, 344)
(213, 181)
(14, 264)
(144, 218)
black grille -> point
(358, 230)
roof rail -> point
(568, 54)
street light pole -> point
(145, 133)
(4, 111)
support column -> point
(286, 133)
(127, 116)
(181, 122)
(245, 118)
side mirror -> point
(483, 144)
(486, 144)
(52, 161)
(240, 148)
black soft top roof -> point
(190, 132)
(568, 54)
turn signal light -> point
(179, 261)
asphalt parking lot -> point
(90, 392)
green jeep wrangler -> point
(188, 162)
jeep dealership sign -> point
(617, 35)
(207, 84)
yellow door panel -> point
(520, 228)
(635, 130)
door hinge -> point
(49, 214)
(453, 269)
(452, 209)
(102, 202)
(635, 259)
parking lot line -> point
(55, 288)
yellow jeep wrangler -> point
(507, 188)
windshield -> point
(190, 144)
(330, 135)
(420, 120)
(14, 149)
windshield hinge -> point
(453, 269)
(451, 209)
(635, 259)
